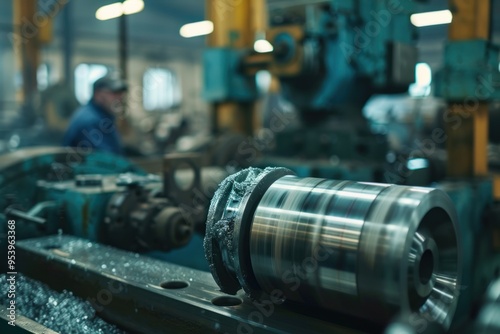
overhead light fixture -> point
(262, 46)
(118, 9)
(109, 11)
(132, 6)
(432, 18)
(196, 29)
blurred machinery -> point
(330, 57)
(104, 198)
(488, 318)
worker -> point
(93, 126)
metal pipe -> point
(24, 216)
(467, 144)
(123, 46)
(68, 44)
(365, 249)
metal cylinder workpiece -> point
(366, 249)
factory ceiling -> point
(155, 30)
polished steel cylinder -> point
(370, 250)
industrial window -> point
(423, 80)
(161, 89)
(263, 79)
(85, 76)
(42, 76)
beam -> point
(467, 143)
(27, 52)
(123, 46)
(68, 44)
(236, 24)
(471, 19)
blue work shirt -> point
(93, 127)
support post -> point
(467, 144)
(235, 26)
(27, 55)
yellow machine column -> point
(32, 29)
(467, 143)
(26, 46)
(236, 24)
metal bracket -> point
(176, 187)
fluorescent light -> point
(118, 9)
(196, 29)
(262, 46)
(109, 12)
(432, 18)
(132, 6)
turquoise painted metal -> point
(352, 50)
(472, 200)
(223, 78)
(22, 170)
(81, 209)
(470, 72)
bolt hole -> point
(226, 301)
(172, 285)
(426, 267)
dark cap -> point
(111, 83)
